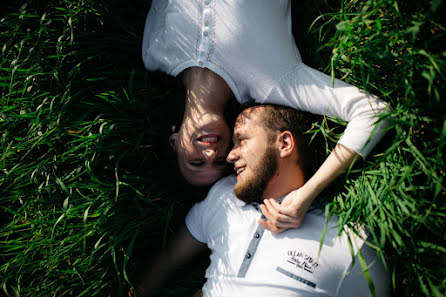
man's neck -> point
(284, 182)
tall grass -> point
(82, 203)
(396, 50)
(78, 185)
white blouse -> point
(249, 44)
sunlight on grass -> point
(82, 126)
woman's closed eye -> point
(200, 163)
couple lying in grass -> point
(245, 49)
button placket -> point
(204, 45)
(251, 251)
(254, 243)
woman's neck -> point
(206, 92)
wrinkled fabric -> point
(249, 44)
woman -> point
(245, 48)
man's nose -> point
(232, 156)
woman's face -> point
(202, 146)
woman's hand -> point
(289, 214)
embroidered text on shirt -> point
(302, 261)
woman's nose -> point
(209, 153)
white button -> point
(205, 33)
(200, 63)
(206, 2)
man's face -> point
(253, 156)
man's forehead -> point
(251, 115)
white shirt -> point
(249, 44)
(248, 261)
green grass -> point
(397, 51)
(82, 202)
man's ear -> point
(287, 143)
(173, 141)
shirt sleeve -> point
(307, 89)
(194, 221)
(201, 217)
(354, 283)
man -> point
(270, 158)
(246, 49)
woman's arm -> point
(313, 91)
(180, 250)
(290, 213)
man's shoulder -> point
(230, 179)
(224, 185)
(219, 199)
(221, 190)
(318, 226)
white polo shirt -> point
(249, 44)
(248, 261)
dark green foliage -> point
(79, 126)
(83, 201)
(396, 50)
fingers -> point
(277, 221)
(272, 228)
(290, 210)
(290, 206)
(274, 224)
(273, 212)
(286, 210)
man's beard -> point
(251, 190)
